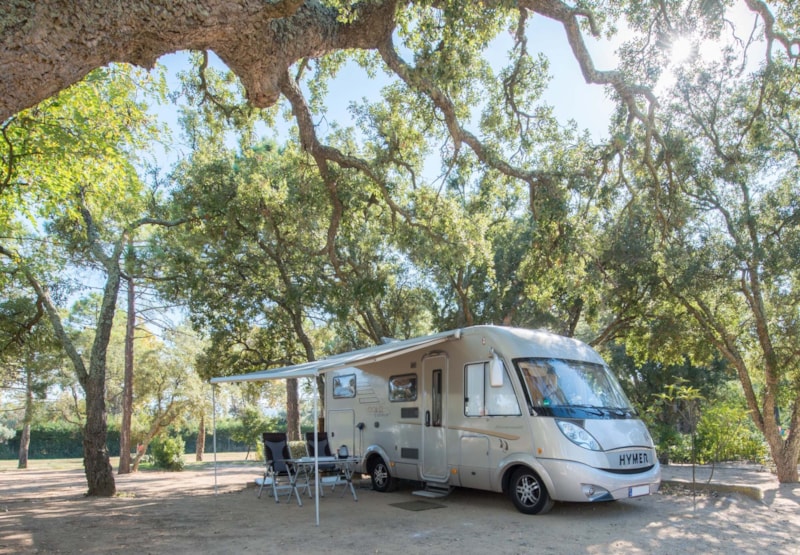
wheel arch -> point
(373, 454)
(512, 466)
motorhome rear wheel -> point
(381, 479)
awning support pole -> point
(214, 426)
(316, 448)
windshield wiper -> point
(590, 408)
(619, 411)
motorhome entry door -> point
(434, 404)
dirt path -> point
(177, 513)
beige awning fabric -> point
(345, 360)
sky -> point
(568, 93)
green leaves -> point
(83, 138)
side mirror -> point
(496, 370)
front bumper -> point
(576, 482)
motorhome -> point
(532, 414)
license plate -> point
(638, 491)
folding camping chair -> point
(279, 472)
(322, 442)
(328, 472)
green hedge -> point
(62, 442)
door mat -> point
(417, 505)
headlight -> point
(578, 435)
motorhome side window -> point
(344, 387)
(481, 399)
(403, 388)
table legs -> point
(348, 476)
(294, 476)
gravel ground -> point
(742, 510)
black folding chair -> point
(328, 473)
(278, 472)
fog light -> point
(595, 493)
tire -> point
(528, 492)
(382, 480)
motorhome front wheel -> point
(528, 492)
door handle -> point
(428, 418)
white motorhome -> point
(529, 413)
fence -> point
(68, 444)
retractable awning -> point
(337, 362)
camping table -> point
(298, 478)
(305, 466)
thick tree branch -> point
(570, 18)
(24, 328)
(443, 103)
(790, 44)
(10, 159)
(43, 295)
(47, 45)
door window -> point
(436, 398)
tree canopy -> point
(677, 233)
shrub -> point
(680, 450)
(667, 440)
(168, 453)
(297, 449)
(727, 433)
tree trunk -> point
(200, 447)
(155, 428)
(292, 410)
(25, 439)
(321, 395)
(24, 445)
(160, 421)
(127, 390)
(786, 466)
(99, 473)
(785, 452)
(96, 464)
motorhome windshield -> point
(569, 388)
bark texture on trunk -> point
(127, 388)
(47, 45)
(99, 473)
(200, 448)
(24, 446)
(786, 469)
(25, 439)
(785, 453)
(292, 410)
